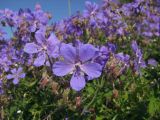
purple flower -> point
(91, 9)
(41, 16)
(124, 58)
(111, 47)
(5, 63)
(16, 75)
(152, 62)
(102, 55)
(43, 47)
(77, 61)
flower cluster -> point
(82, 46)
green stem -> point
(90, 103)
(100, 85)
(69, 7)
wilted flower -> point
(77, 61)
(117, 64)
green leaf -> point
(154, 106)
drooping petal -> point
(68, 52)
(10, 76)
(77, 82)
(86, 52)
(61, 68)
(15, 81)
(40, 60)
(31, 48)
(92, 69)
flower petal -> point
(86, 52)
(61, 68)
(77, 82)
(22, 75)
(53, 40)
(53, 51)
(14, 71)
(20, 69)
(92, 69)
(15, 81)
(134, 46)
(68, 52)
(40, 36)
(53, 46)
(40, 60)
(31, 48)
(10, 76)
(152, 62)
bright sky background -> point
(58, 8)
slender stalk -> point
(50, 62)
(100, 85)
(69, 7)
(90, 103)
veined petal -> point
(92, 69)
(40, 36)
(31, 48)
(53, 51)
(86, 52)
(77, 82)
(61, 68)
(68, 52)
(53, 40)
(53, 46)
(40, 60)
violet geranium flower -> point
(78, 62)
(43, 47)
(16, 75)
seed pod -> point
(114, 66)
(115, 93)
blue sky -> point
(58, 8)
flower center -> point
(78, 64)
(44, 47)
